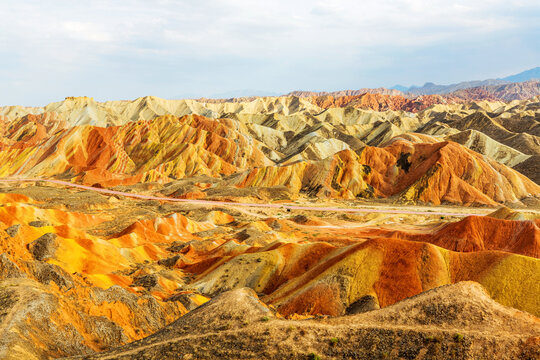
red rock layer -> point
(379, 102)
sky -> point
(113, 50)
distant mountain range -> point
(430, 88)
(521, 86)
(381, 90)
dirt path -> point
(225, 203)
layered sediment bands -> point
(383, 91)
(530, 168)
(506, 92)
(483, 144)
(379, 102)
(140, 144)
(478, 233)
(443, 172)
(319, 278)
(524, 141)
(83, 271)
(436, 173)
(108, 270)
(67, 291)
(166, 147)
(339, 176)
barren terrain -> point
(354, 226)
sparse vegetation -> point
(265, 319)
(433, 339)
(313, 356)
(458, 337)
(334, 341)
(291, 328)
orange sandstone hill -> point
(323, 156)
(435, 173)
(84, 272)
(379, 102)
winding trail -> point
(226, 203)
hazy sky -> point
(180, 48)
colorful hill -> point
(373, 203)
(281, 141)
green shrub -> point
(434, 339)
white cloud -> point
(240, 26)
(86, 31)
(66, 37)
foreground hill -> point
(83, 272)
(436, 325)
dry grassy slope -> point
(449, 322)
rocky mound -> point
(465, 305)
(250, 331)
